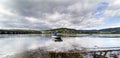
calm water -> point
(11, 44)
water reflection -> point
(11, 44)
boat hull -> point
(57, 38)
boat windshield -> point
(55, 33)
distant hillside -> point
(74, 31)
(110, 30)
(13, 31)
(63, 31)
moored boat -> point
(56, 37)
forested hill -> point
(110, 30)
(74, 31)
(63, 31)
(17, 31)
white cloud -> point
(32, 19)
(116, 25)
(115, 3)
(45, 14)
(55, 16)
(5, 11)
(113, 9)
(77, 7)
(84, 6)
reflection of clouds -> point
(13, 45)
(22, 43)
(114, 41)
(90, 42)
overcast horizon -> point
(51, 14)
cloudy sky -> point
(49, 14)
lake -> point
(11, 44)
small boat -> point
(56, 37)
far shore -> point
(61, 31)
